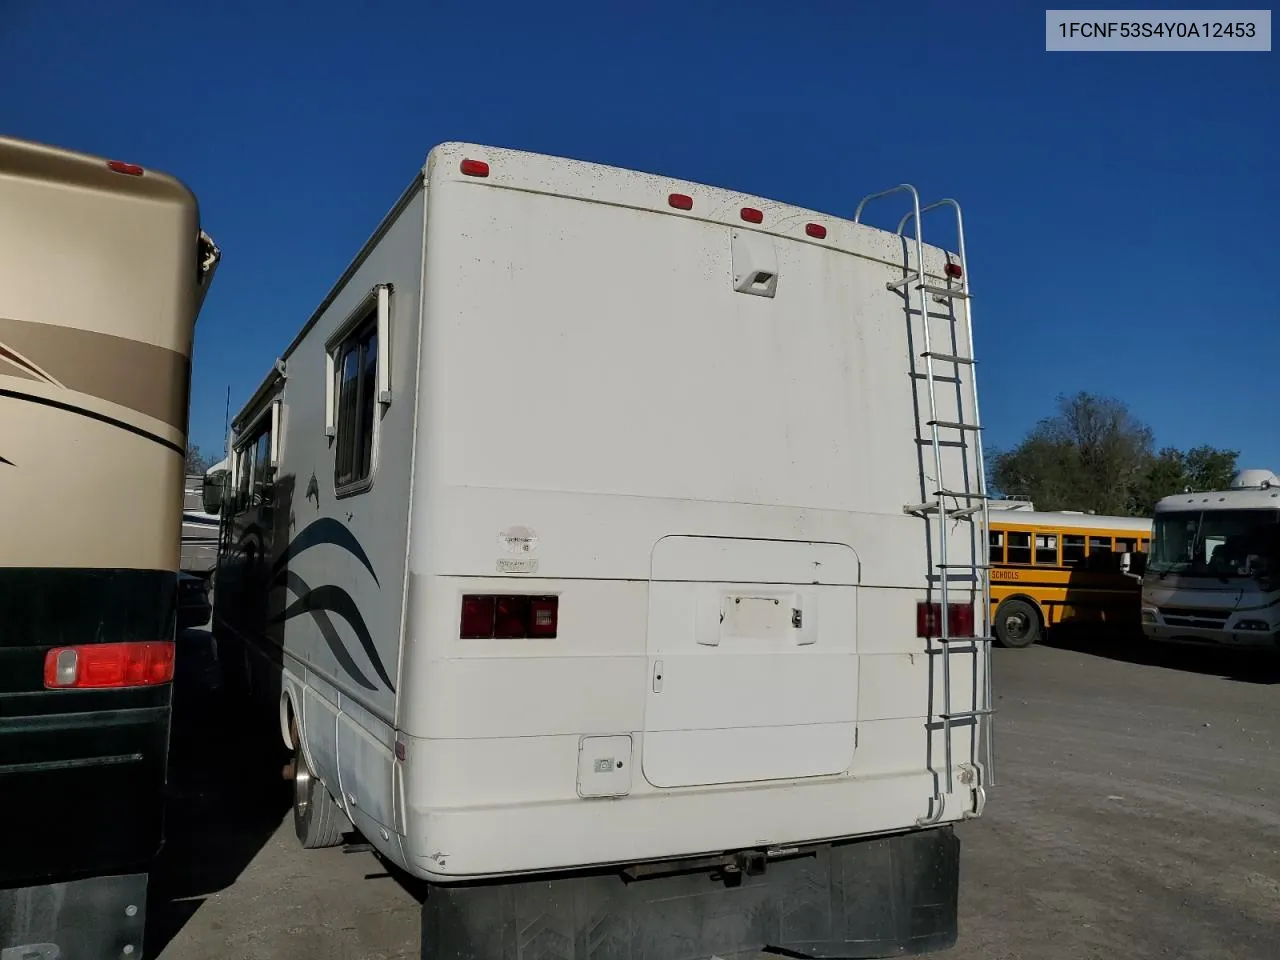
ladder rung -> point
(898, 284)
(950, 640)
(962, 566)
(948, 357)
(955, 425)
(961, 495)
(966, 715)
(946, 292)
(960, 513)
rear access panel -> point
(752, 655)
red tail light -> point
(680, 201)
(815, 230)
(508, 617)
(474, 168)
(752, 215)
(960, 620)
(511, 618)
(954, 270)
(542, 616)
(929, 619)
(98, 665)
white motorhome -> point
(1214, 572)
(599, 526)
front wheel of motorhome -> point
(1017, 624)
(317, 819)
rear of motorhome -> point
(601, 526)
(105, 272)
(1214, 573)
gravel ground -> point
(1136, 815)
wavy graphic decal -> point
(320, 602)
(324, 530)
(330, 633)
(25, 367)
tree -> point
(1088, 456)
(1094, 455)
(1200, 468)
(197, 462)
(1209, 468)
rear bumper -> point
(93, 917)
(446, 845)
(1245, 639)
(891, 896)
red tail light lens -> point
(960, 619)
(543, 613)
(474, 168)
(815, 230)
(508, 617)
(99, 665)
(954, 270)
(680, 201)
(929, 620)
(477, 618)
(512, 618)
(752, 215)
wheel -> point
(317, 819)
(1017, 624)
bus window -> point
(1072, 549)
(1047, 549)
(1019, 546)
(1099, 545)
(996, 542)
(1126, 545)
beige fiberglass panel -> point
(100, 285)
(76, 491)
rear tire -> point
(317, 819)
(1017, 624)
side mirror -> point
(211, 491)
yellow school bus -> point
(1063, 567)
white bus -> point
(1214, 571)
(590, 530)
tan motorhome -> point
(103, 271)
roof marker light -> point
(474, 168)
(953, 270)
(815, 230)
(680, 201)
(752, 215)
(130, 169)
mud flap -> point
(887, 897)
(95, 917)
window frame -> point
(247, 466)
(1037, 550)
(1082, 545)
(1030, 547)
(995, 547)
(373, 388)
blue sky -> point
(1120, 207)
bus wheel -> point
(316, 818)
(1017, 624)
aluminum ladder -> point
(970, 503)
